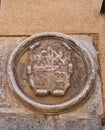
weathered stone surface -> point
(56, 67)
(92, 108)
(31, 123)
(29, 17)
(24, 17)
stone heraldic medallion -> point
(49, 69)
(52, 72)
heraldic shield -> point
(50, 68)
(52, 72)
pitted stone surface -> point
(54, 66)
(27, 123)
(92, 108)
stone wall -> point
(22, 18)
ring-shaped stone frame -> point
(63, 107)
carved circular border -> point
(66, 106)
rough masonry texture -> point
(11, 104)
(22, 123)
(52, 72)
(21, 18)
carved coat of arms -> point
(49, 70)
(53, 72)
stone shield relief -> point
(52, 72)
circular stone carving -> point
(52, 72)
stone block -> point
(81, 118)
(31, 123)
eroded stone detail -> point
(50, 69)
(3, 58)
(55, 66)
(31, 123)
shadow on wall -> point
(102, 11)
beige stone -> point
(24, 18)
(12, 104)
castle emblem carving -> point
(49, 70)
